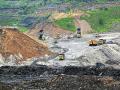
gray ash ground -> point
(64, 78)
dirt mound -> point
(13, 42)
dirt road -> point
(84, 25)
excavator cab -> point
(61, 57)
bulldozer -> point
(97, 42)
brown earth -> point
(84, 25)
(14, 42)
(50, 30)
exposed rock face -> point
(16, 46)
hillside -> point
(103, 19)
(25, 14)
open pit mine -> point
(64, 63)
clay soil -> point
(15, 42)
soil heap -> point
(19, 45)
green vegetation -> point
(66, 23)
(101, 1)
(101, 20)
(8, 21)
(22, 29)
(12, 21)
(12, 12)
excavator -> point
(78, 35)
(41, 34)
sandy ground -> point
(78, 52)
(81, 54)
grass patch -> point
(8, 21)
(22, 29)
(102, 20)
(12, 22)
(66, 23)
